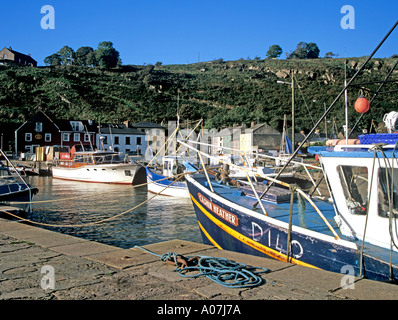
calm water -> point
(162, 218)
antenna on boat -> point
(89, 138)
(327, 111)
(375, 95)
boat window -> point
(79, 158)
(354, 180)
(88, 159)
(99, 160)
(387, 190)
(108, 159)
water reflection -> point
(61, 202)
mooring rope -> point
(95, 222)
(98, 193)
(220, 270)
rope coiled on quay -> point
(220, 270)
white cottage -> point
(122, 138)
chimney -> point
(126, 123)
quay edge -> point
(88, 270)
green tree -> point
(67, 55)
(81, 55)
(300, 52)
(305, 50)
(312, 51)
(53, 60)
(91, 59)
(330, 54)
(107, 56)
(274, 51)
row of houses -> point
(135, 139)
(42, 131)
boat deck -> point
(304, 215)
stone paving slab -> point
(6, 226)
(53, 239)
(83, 248)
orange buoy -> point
(362, 104)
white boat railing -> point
(255, 192)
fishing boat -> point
(84, 164)
(166, 174)
(24, 170)
(329, 235)
(13, 190)
(167, 179)
(353, 231)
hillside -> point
(223, 93)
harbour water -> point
(61, 202)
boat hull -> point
(109, 173)
(160, 184)
(17, 192)
(229, 226)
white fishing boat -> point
(165, 175)
(166, 179)
(85, 164)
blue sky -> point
(186, 31)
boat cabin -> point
(177, 165)
(82, 155)
(363, 183)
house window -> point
(138, 141)
(28, 137)
(116, 140)
(5, 56)
(86, 137)
(47, 137)
(39, 127)
(127, 140)
(66, 137)
(76, 137)
(76, 125)
(104, 139)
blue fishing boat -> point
(168, 178)
(13, 190)
(319, 234)
(354, 231)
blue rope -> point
(220, 270)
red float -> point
(362, 105)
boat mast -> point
(328, 110)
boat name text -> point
(227, 216)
